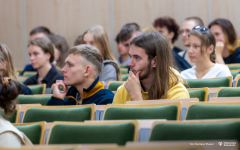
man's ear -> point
(154, 62)
(88, 70)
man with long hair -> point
(151, 74)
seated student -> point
(124, 58)
(151, 74)
(188, 24)
(10, 136)
(228, 45)
(37, 32)
(201, 45)
(42, 55)
(128, 32)
(169, 28)
(61, 48)
(83, 65)
(7, 68)
(97, 37)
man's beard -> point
(144, 73)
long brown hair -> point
(156, 45)
(207, 39)
(9, 71)
(101, 39)
(62, 46)
(229, 33)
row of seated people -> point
(167, 111)
(151, 76)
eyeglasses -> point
(201, 29)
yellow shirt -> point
(176, 92)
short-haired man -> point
(187, 26)
(170, 29)
(83, 65)
(128, 32)
(151, 74)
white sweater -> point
(217, 71)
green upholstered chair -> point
(200, 93)
(34, 99)
(29, 73)
(169, 111)
(214, 82)
(125, 77)
(213, 110)
(73, 113)
(124, 70)
(123, 66)
(34, 131)
(92, 133)
(228, 92)
(38, 88)
(22, 79)
(233, 66)
(14, 118)
(113, 85)
(193, 130)
(235, 72)
(237, 82)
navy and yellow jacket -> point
(94, 94)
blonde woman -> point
(97, 37)
(7, 69)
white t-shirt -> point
(217, 71)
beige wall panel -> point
(228, 9)
(68, 18)
(11, 28)
(144, 12)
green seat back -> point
(234, 67)
(123, 66)
(238, 84)
(168, 112)
(234, 73)
(33, 132)
(124, 71)
(21, 99)
(65, 114)
(196, 131)
(229, 92)
(200, 83)
(89, 134)
(213, 112)
(38, 89)
(60, 88)
(23, 80)
(11, 119)
(114, 86)
(124, 77)
(29, 74)
(200, 94)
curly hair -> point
(170, 24)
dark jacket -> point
(25, 90)
(234, 58)
(181, 63)
(94, 94)
(28, 67)
(49, 79)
